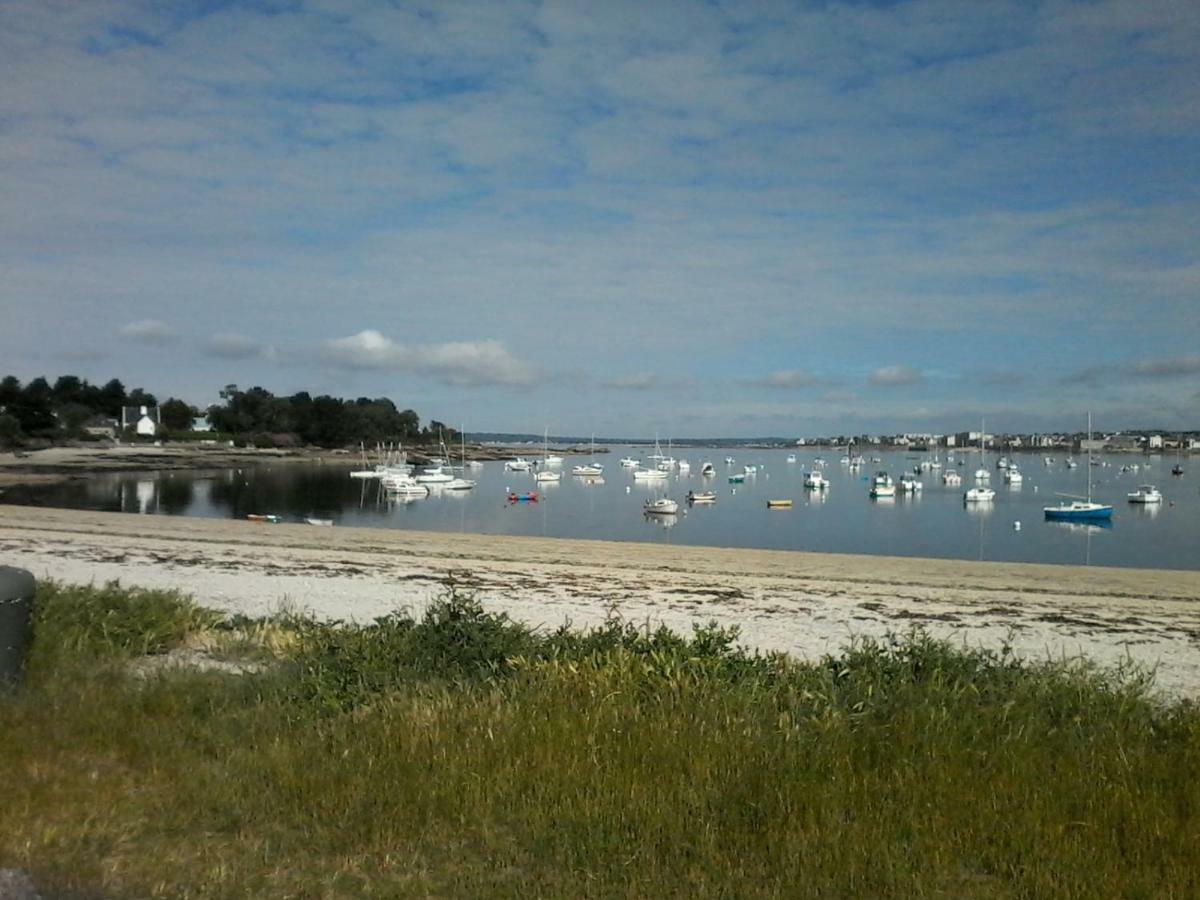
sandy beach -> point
(804, 603)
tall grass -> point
(461, 754)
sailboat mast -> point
(1089, 500)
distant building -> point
(144, 420)
(1124, 442)
(1154, 442)
(201, 423)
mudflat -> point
(806, 604)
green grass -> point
(460, 754)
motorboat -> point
(791, 457)
(951, 478)
(882, 486)
(979, 495)
(702, 497)
(909, 484)
(588, 470)
(547, 475)
(708, 470)
(737, 477)
(685, 467)
(518, 465)
(628, 462)
(750, 470)
(1147, 493)
(815, 481)
(459, 484)
(729, 460)
(649, 474)
(1013, 476)
(434, 475)
(403, 485)
(663, 506)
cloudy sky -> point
(700, 218)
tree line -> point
(41, 410)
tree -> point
(177, 415)
(10, 430)
(10, 391)
(139, 397)
(112, 398)
(34, 409)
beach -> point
(806, 604)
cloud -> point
(1166, 368)
(642, 381)
(238, 346)
(148, 331)
(784, 378)
(459, 363)
(894, 376)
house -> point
(1155, 442)
(144, 420)
(201, 423)
(100, 426)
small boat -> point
(979, 495)
(702, 497)
(1080, 509)
(523, 497)
(270, 518)
(951, 478)
(791, 457)
(628, 462)
(818, 461)
(434, 475)
(1013, 476)
(708, 470)
(737, 477)
(547, 475)
(518, 465)
(589, 468)
(1002, 462)
(1071, 464)
(909, 483)
(649, 474)
(1177, 470)
(882, 486)
(322, 522)
(729, 460)
(459, 484)
(684, 467)
(815, 481)
(1147, 493)
(779, 504)
(663, 506)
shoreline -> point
(806, 604)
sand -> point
(807, 604)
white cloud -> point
(785, 378)
(458, 363)
(239, 346)
(148, 331)
(642, 381)
(894, 376)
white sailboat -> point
(981, 493)
(545, 475)
(461, 484)
(592, 468)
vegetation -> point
(38, 410)
(461, 754)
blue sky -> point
(699, 218)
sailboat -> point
(545, 474)
(589, 469)
(462, 484)
(980, 493)
(1078, 509)
(656, 471)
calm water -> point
(842, 519)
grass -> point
(461, 754)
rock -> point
(16, 885)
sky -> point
(690, 218)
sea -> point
(841, 519)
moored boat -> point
(663, 506)
(702, 497)
(779, 504)
(1147, 493)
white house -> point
(1154, 442)
(144, 420)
